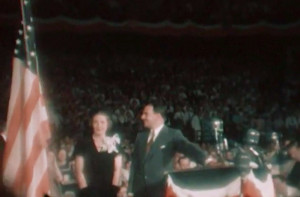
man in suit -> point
(153, 153)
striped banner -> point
(25, 161)
(224, 182)
(25, 158)
(258, 183)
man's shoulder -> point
(167, 129)
(171, 130)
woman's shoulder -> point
(83, 144)
(84, 140)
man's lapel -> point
(156, 144)
(143, 144)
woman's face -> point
(100, 124)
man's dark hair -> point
(158, 107)
(293, 143)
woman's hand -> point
(79, 166)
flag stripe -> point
(31, 103)
(10, 169)
(13, 129)
(34, 156)
(15, 106)
(27, 169)
(170, 192)
(34, 143)
(37, 176)
(43, 185)
(256, 188)
(18, 76)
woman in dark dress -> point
(97, 162)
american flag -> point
(25, 156)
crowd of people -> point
(200, 89)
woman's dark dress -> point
(98, 170)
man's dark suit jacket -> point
(148, 170)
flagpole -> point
(29, 36)
(24, 31)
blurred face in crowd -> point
(62, 155)
(294, 153)
(100, 124)
(149, 117)
(127, 165)
(275, 146)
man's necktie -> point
(150, 141)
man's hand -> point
(213, 162)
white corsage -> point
(111, 143)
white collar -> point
(156, 131)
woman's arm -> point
(117, 170)
(79, 166)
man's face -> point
(149, 117)
(294, 153)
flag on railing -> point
(258, 183)
(223, 182)
(25, 161)
(207, 182)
